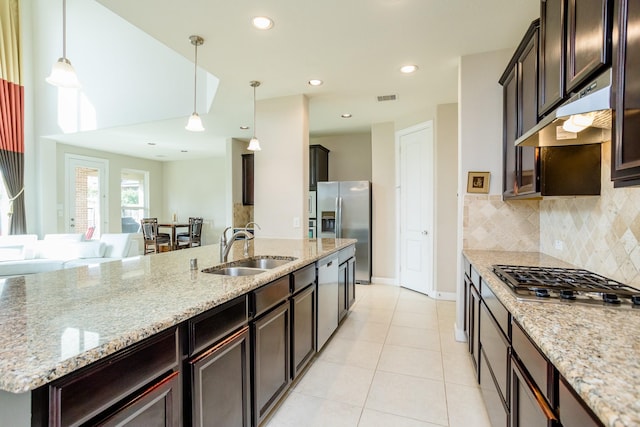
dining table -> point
(173, 244)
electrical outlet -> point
(296, 222)
(558, 244)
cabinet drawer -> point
(475, 278)
(528, 406)
(571, 410)
(270, 295)
(533, 361)
(498, 413)
(215, 324)
(303, 278)
(496, 350)
(498, 311)
(83, 395)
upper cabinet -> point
(520, 113)
(588, 40)
(551, 54)
(625, 159)
(318, 165)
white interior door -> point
(416, 194)
(86, 195)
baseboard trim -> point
(384, 281)
(459, 334)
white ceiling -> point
(355, 46)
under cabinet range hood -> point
(588, 114)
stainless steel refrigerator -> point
(344, 211)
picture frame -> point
(478, 182)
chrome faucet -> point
(223, 241)
(226, 247)
(254, 223)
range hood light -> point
(578, 122)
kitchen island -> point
(595, 349)
(54, 324)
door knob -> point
(425, 232)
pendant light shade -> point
(195, 123)
(62, 72)
(254, 144)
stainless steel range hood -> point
(594, 102)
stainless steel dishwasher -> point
(327, 298)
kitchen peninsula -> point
(63, 324)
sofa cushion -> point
(17, 247)
(55, 249)
(64, 237)
(117, 245)
(90, 249)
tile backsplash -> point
(598, 233)
(491, 224)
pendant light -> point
(254, 144)
(62, 72)
(195, 123)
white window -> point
(134, 196)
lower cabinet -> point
(158, 405)
(498, 413)
(472, 314)
(303, 329)
(270, 364)
(220, 379)
(528, 406)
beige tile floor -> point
(392, 363)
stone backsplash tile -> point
(242, 215)
(491, 224)
(597, 233)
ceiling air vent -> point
(387, 98)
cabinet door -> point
(551, 55)
(351, 282)
(510, 180)
(220, 391)
(527, 169)
(159, 405)
(625, 156)
(270, 360)
(247, 179)
(342, 290)
(588, 40)
(318, 165)
(528, 407)
(571, 409)
(303, 329)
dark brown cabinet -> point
(588, 48)
(220, 390)
(571, 410)
(528, 408)
(303, 318)
(247, 179)
(520, 101)
(318, 165)
(473, 319)
(551, 55)
(625, 156)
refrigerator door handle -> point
(339, 218)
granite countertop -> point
(54, 323)
(596, 349)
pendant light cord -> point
(64, 29)
(195, 77)
(254, 110)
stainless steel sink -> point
(249, 266)
(233, 271)
(263, 262)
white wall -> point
(479, 135)
(196, 188)
(446, 187)
(383, 180)
(281, 178)
(349, 156)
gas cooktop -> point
(566, 285)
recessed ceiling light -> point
(346, 116)
(151, 143)
(315, 82)
(244, 127)
(262, 22)
(183, 151)
(160, 155)
(408, 69)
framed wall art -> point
(478, 182)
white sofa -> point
(25, 254)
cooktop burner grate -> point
(565, 284)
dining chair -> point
(193, 237)
(152, 239)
